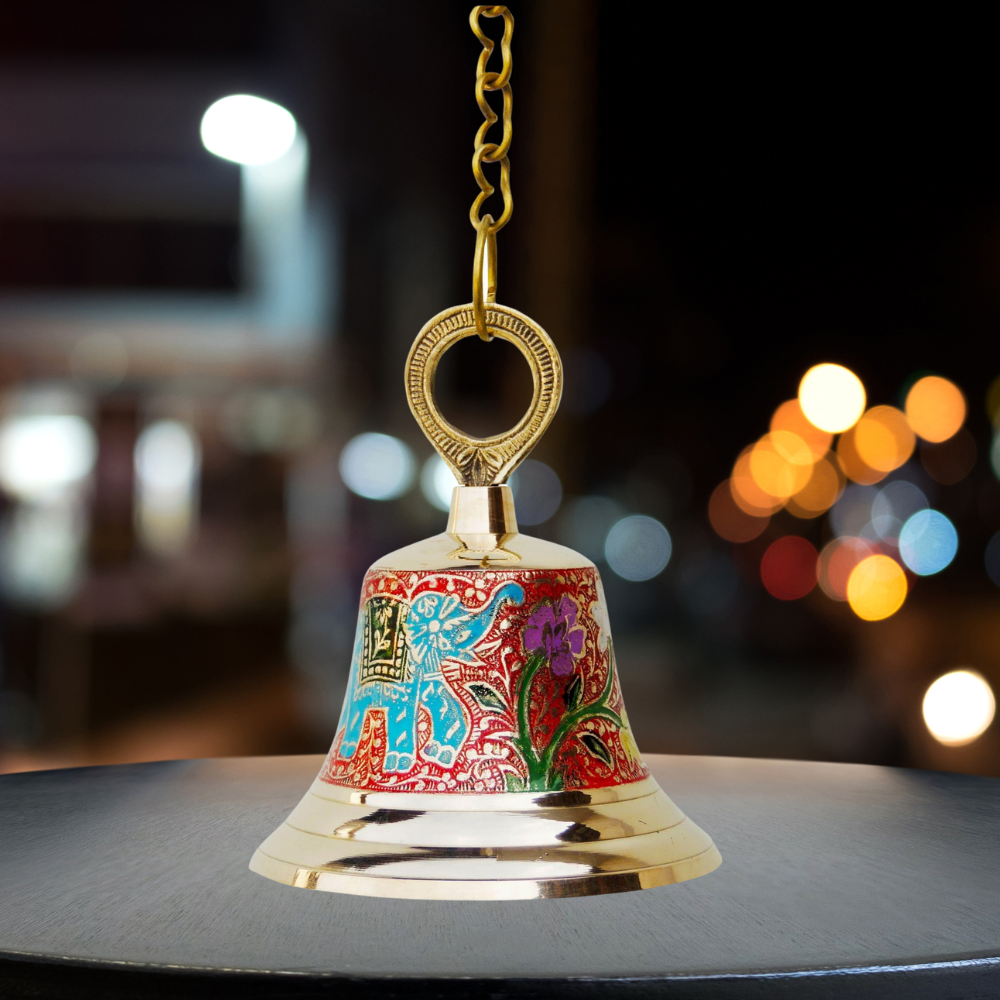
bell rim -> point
(470, 890)
(495, 851)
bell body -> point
(484, 750)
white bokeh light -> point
(377, 466)
(43, 455)
(959, 707)
(437, 482)
(167, 470)
(247, 129)
(638, 548)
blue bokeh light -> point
(928, 542)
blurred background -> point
(768, 250)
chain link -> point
(491, 152)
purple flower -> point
(552, 630)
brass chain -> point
(490, 152)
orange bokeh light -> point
(876, 588)
(935, 408)
(821, 492)
(773, 472)
(854, 466)
(747, 495)
(789, 417)
(837, 562)
(731, 521)
(883, 438)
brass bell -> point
(484, 750)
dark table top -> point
(837, 880)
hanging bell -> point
(484, 750)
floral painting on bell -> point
(483, 681)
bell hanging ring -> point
(485, 257)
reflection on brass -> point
(508, 846)
(482, 521)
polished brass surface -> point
(439, 553)
(483, 461)
(482, 522)
(519, 845)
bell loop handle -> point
(486, 248)
(479, 461)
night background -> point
(705, 209)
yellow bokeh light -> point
(876, 588)
(832, 397)
(789, 417)
(935, 408)
(853, 464)
(883, 438)
(959, 707)
(821, 492)
(791, 447)
(773, 472)
(748, 496)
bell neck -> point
(481, 520)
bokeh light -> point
(928, 542)
(821, 492)
(895, 504)
(537, 492)
(638, 547)
(775, 474)
(585, 522)
(167, 461)
(852, 512)
(41, 455)
(883, 438)
(789, 417)
(377, 466)
(746, 493)
(832, 397)
(731, 521)
(952, 460)
(935, 408)
(247, 129)
(959, 707)
(853, 464)
(837, 562)
(437, 482)
(876, 587)
(788, 568)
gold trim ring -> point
(483, 461)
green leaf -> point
(573, 691)
(514, 783)
(596, 747)
(487, 696)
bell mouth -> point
(515, 845)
